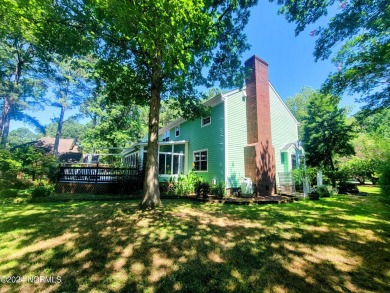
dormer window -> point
(206, 121)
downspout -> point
(225, 108)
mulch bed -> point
(273, 199)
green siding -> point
(237, 138)
(212, 138)
(284, 161)
(284, 130)
(209, 137)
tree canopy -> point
(372, 146)
(359, 29)
(151, 50)
(298, 104)
(21, 136)
(326, 133)
(71, 128)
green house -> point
(250, 133)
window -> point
(177, 131)
(293, 162)
(166, 136)
(132, 160)
(206, 121)
(200, 160)
(165, 163)
(171, 159)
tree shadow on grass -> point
(192, 247)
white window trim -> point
(201, 121)
(165, 163)
(193, 158)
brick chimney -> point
(259, 152)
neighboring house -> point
(249, 133)
(68, 150)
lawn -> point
(337, 244)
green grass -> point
(336, 244)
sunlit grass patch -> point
(338, 244)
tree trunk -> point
(5, 118)
(5, 121)
(151, 197)
(333, 177)
(59, 131)
(4, 134)
(4, 112)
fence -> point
(98, 180)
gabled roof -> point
(288, 146)
(218, 99)
(68, 150)
(66, 145)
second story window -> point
(206, 121)
(177, 131)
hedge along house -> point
(250, 133)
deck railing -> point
(98, 174)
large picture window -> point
(171, 160)
(200, 160)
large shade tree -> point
(23, 60)
(326, 132)
(155, 49)
(359, 29)
(168, 49)
(148, 50)
(21, 85)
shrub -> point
(185, 185)
(347, 187)
(9, 166)
(15, 183)
(218, 189)
(9, 193)
(301, 173)
(171, 188)
(42, 191)
(324, 190)
(202, 188)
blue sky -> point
(272, 38)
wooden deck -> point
(99, 180)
